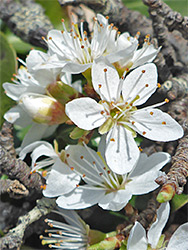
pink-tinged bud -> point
(43, 109)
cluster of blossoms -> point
(120, 77)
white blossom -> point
(59, 178)
(138, 239)
(117, 116)
(76, 53)
(71, 235)
(102, 186)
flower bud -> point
(43, 109)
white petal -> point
(179, 239)
(158, 125)
(144, 183)
(156, 228)
(137, 238)
(153, 162)
(35, 133)
(45, 149)
(82, 159)
(85, 113)
(105, 83)
(14, 90)
(80, 198)
(75, 68)
(122, 152)
(115, 201)
(135, 84)
(143, 55)
(61, 180)
(32, 146)
(18, 116)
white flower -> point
(59, 178)
(102, 186)
(76, 53)
(27, 86)
(138, 240)
(74, 235)
(116, 114)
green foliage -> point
(8, 65)
(179, 201)
(54, 11)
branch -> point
(14, 188)
(175, 180)
(26, 20)
(18, 169)
(172, 19)
(14, 237)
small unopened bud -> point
(166, 193)
(43, 109)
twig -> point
(175, 180)
(15, 189)
(18, 169)
(172, 19)
(26, 20)
(14, 237)
(6, 138)
(175, 87)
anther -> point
(12, 79)
(71, 168)
(77, 185)
(133, 122)
(100, 86)
(43, 38)
(164, 123)
(147, 85)
(107, 17)
(46, 220)
(94, 162)
(151, 113)
(62, 31)
(144, 132)
(104, 168)
(158, 85)
(44, 173)
(41, 237)
(108, 171)
(81, 157)
(100, 174)
(82, 47)
(140, 149)
(143, 71)
(50, 235)
(62, 20)
(83, 175)
(138, 33)
(102, 112)
(105, 70)
(166, 100)
(50, 38)
(67, 155)
(112, 139)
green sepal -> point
(106, 126)
(77, 133)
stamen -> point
(164, 123)
(144, 132)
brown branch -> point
(26, 19)
(123, 18)
(175, 180)
(6, 138)
(15, 236)
(14, 188)
(172, 19)
(175, 87)
(18, 169)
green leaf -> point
(55, 12)
(8, 65)
(179, 201)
